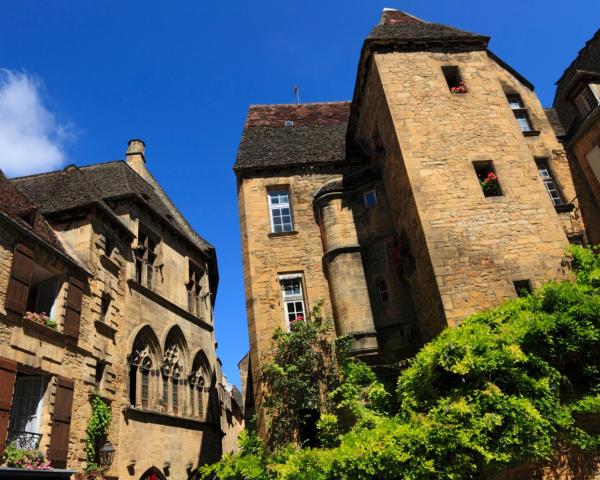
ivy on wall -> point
(97, 428)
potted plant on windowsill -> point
(490, 185)
(460, 88)
(25, 459)
(41, 318)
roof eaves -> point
(67, 258)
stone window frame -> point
(550, 183)
(523, 287)
(521, 113)
(454, 79)
(295, 299)
(146, 254)
(477, 165)
(194, 288)
(271, 207)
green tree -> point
(511, 385)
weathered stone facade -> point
(146, 342)
(576, 107)
(390, 224)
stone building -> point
(440, 190)
(576, 107)
(132, 294)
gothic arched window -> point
(172, 370)
(199, 384)
(144, 356)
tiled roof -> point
(316, 135)
(402, 28)
(81, 186)
(19, 208)
(555, 122)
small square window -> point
(370, 199)
(523, 287)
(488, 180)
(454, 80)
(586, 101)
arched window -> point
(144, 356)
(199, 384)
(172, 370)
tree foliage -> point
(510, 385)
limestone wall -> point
(475, 246)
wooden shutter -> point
(73, 312)
(20, 280)
(8, 374)
(61, 423)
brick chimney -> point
(391, 16)
(135, 155)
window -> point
(370, 199)
(549, 182)
(280, 210)
(523, 287)
(104, 306)
(488, 180)
(24, 428)
(516, 104)
(175, 394)
(145, 257)
(108, 245)
(99, 374)
(383, 292)
(194, 289)
(293, 298)
(43, 291)
(593, 158)
(454, 80)
(586, 101)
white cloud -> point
(31, 138)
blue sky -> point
(181, 74)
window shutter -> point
(8, 374)
(20, 280)
(73, 313)
(61, 423)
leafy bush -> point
(97, 428)
(508, 386)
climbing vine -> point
(97, 427)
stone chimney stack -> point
(135, 156)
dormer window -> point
(587, 100)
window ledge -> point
(111, 265)
(155, 297)
(105, 328)
(282, 234)
(43, 330)
(531, 133)
(167, 418)
(564, 208)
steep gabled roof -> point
(76, 187)
(400, 29)
(315, 134)
(26, 215)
